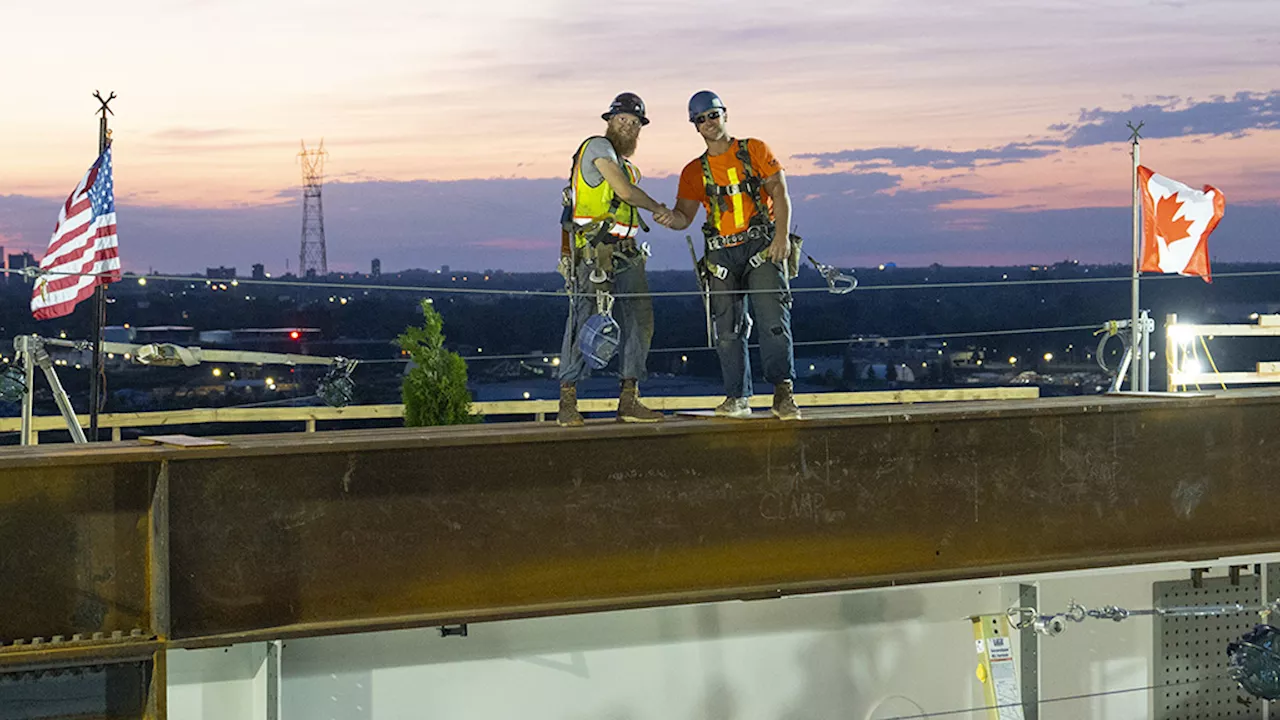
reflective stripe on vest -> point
(599, 203)
(737, 187)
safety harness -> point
(724, 197)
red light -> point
(294, 335)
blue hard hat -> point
(598, 340)
(702, 101)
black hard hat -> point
(627, 103)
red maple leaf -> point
(1167, 227)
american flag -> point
(83, 251)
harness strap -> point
(750, 186)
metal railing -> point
(537, 409)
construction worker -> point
(600, 258)
(744, 191)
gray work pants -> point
(634, 316)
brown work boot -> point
(629, 407)
(784, 404)
(569, 415)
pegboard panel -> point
(1191, 680)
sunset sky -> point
(966, 133)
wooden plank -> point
(1186, 330)
(1219, 379)
(511, 407)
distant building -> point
(259, 272)
(375, 268)
(220, 273)
(19, 261)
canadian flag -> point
(1176, 223)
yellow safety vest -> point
(597, 208)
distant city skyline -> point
(970, 133)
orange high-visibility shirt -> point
(727, 169)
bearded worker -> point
(600, 258)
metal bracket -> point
(453, 630)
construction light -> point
(271, 381)
(1192, 366)
(12, 384)
(526, 394)
(1013, 360)
(1181, 334)
(336, 388)
(217, 372)
(294, 335)
(142, 281)
(1253, 662)
(1048, 357)
(555, 362)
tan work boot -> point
(569, 415)
(629, 407)
(784, 405)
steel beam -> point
(293, 535)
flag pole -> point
(99, 294)
(1138, 351)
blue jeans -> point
(769, 302)
(634, 316)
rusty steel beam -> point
(291, 535)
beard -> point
(623, 141)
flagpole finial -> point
(105, 110)
(1134, 134)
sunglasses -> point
(713, 115)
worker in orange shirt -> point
(744, 191)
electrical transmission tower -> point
(312, 259)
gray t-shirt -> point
(597, 147)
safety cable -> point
(1064, 698)
(340, 285)
(862, 340)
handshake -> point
(664, 216)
